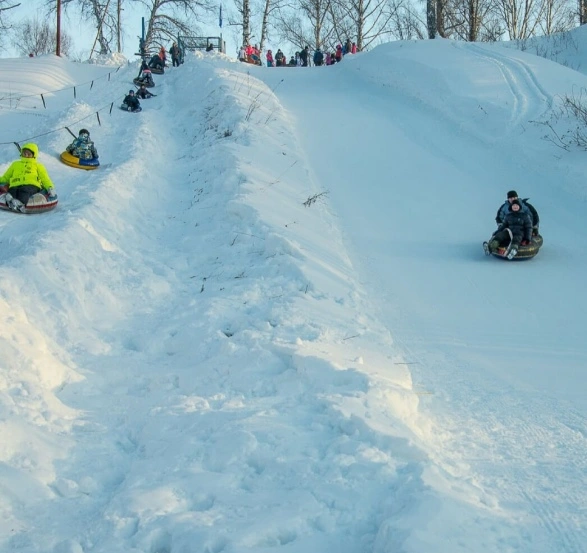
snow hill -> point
(266, 323)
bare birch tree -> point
(168, 18)
(472, 20)
(406, 23)
(306, 23)
(270, 10)
(441, 14)
(5, 7)
(370, 19)
(165, 19)
(38, 37)
(101, 12)
(242, 20)
(521, 17)
(558, 16)
(264, 24)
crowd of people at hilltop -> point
(302, 58)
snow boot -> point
(13, 203)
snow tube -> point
(74, 161)
(38, 203)
(124, 107)
(524, 252)
(139, 82)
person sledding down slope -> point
(143, 93)
(131, 102)
(26, 177)
(157, 62)
(146, 78)
(513, 232)
(526, 206)
(82, 146)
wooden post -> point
(119, 8)
(58, 47)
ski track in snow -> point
(531, 101)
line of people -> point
(302, 58)
(250, 54)
(158, 61)
(131, 100)
(26, 177)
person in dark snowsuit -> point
(347, 49)
(146, 78)
(143, 93)
(175, 54)
(131, 101)
(304, 54)
(318, 57)
(512, 195)
(519, 222)
(144, 65)
(156, 62)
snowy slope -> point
(266, 324)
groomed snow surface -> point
(266, 323)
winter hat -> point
(516, 202)
(512, 194)
(31, 148)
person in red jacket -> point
(269, 57)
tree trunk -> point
(431, 18)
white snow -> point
(267, 324)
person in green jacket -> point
(25, 177)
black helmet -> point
(84, 131)
(131, 91)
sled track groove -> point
(562, 531)
(523, 84)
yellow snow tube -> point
(72, 161)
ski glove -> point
(51, 192)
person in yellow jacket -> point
(26, 177)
